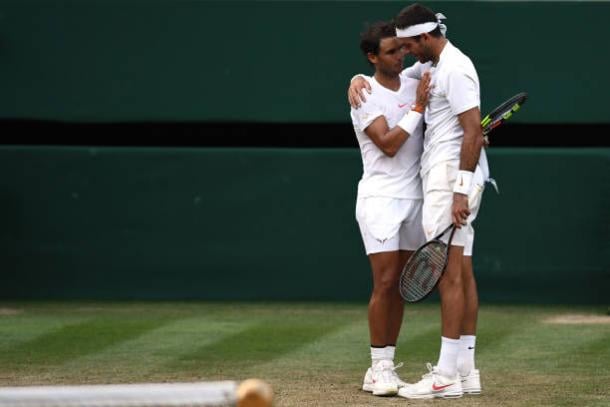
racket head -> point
(422, 272)
(503, 112)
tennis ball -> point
(254, 393)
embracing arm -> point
(358, 84)
(355, 92)
(390, 140)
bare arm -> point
(473, 141)
(390, 140)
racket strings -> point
(423, 271)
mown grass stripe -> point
(146, 357)
(75, 340)
(16, 330)
(263, 342)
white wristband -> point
(410, 121)
(463, 182)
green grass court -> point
(312, 354)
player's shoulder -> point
(377, 95)
(459, 60)
(373, 103)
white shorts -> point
(390, 224)
(438, 200)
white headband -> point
(418, 29)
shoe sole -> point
(450, 395)
(386, 391)
(369, 388)
(432, 396)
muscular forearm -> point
(471, 150)
(392, 140)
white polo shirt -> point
(455, 90)
(398, 176)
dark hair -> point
(417, 14)
(372, 36)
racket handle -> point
(445, 231)
(451, 237)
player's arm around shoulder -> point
(356, 90)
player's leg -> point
(470, 376)
(471, 298)
(383, 309)
(443, 380)
(383, 314)
(397, 303)
(384, 258)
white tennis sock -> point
(447, 360)
(390, 351)
(377, 355)
(465, 361)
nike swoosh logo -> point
(471, 347)
(438, 388)
(401, 106)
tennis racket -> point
(425, 267)
(502, 113)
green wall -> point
(160, 223)
(279, 61)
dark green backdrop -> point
(279, 61)
(277, 224)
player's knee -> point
(452, 281)
(386, 284)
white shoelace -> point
(430, 371)
(395, 375)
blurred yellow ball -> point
(254, 393)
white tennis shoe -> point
(381, 381)
(471, 383)
(433, 385)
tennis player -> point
(454, 171)
(388, 127)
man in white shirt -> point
(454, 170)
(388, 209)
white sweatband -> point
(410, 121)
(418, 29)
(463, 182)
